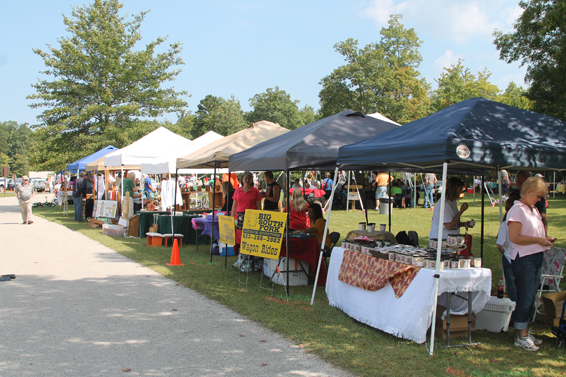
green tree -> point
(14, 141)
(276, 106)
(382, 76)
(219, 115)
(457, 83)
(515, 96)
(100, 86)
(308, 115)
(539, 42)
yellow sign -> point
(226, 230)
(262, 233)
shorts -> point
(381, 192)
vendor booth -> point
(467, 137)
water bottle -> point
(500, 288)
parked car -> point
(11, 183)
(38, 184)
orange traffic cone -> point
(175, 257)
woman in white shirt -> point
(454, 191)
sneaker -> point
(30, 222)
(377, 208)
(536, 341)
(25, 222)
(526, 343)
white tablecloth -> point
(410, 316)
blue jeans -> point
(78, 202)
(510, 282)
(381, 192)
(527, 272)
(428, 196)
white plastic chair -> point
(552, 267)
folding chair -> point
(334, 238)
(552, 267)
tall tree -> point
(219, 115)
(276, 106)
(99, 84)
(515, 95)
(382, 77)
(539, 42)
(457, 83)
(16, 143)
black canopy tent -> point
(313, 146)
(476, 134)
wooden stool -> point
(154, 239)
(176, 236)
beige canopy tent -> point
(217, 154)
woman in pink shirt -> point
(528, 241)
(245, 197)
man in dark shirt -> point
(540, 205)
(79, 191)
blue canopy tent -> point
(476, 134)
(81, 164)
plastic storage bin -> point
(295, 278)
(495, 315)
(113, 230)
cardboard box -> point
(295, 278)
(134, 226)
(552, 321)
(553, 303)
(457, 322)
(113, 230)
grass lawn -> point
(331, 334)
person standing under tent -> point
(529, 241)
(245, 197)
(505, 183)
(521, 177)
(25, 194)
(90, 185)
(130, 186)
(272, 193)
(430, 181)
(381, 181)
(148, 188)
(327, 184)
(452, 223)
(79, 192)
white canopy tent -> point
(167, 163)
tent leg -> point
(438, 252)
(324, 236)
(213, 189)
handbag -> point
(240, 220)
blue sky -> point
(243, 47)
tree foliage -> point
(99, 85)
(217, 114)
(539, 42)
(276, 106)
(381, 77)
(515, 95)
(14, 145)
(457, 83)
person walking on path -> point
(430, 181)
(79, 192)
(25, 195)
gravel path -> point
(77, 308)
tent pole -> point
(324, 236)
(287, 174)
(348, 194)
(174, 209)
(213, 190)
(554, 185)
(482, 214)
(415, 192)
(389, 198)
(500, 192)
(364, 197)
(438, 252)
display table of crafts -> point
(305, 247)
(410, 315)
(182, 225)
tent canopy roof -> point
(221, 150)
(470, 135)
(312, 146)
(82, 163)
(167, 163)
(146, 149)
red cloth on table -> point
(308, 251)
(370, 273)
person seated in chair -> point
(317, 225)
(397, 193)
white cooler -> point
(495, 315)
(295, 278)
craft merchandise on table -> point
(409, 269)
